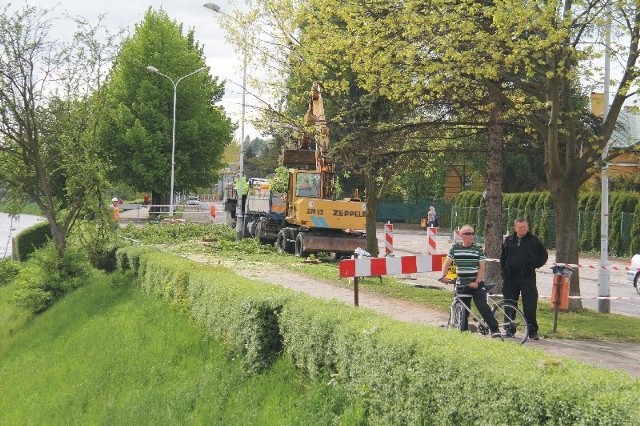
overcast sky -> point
(221, 57)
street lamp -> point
(155, 70)
(240, 207)
(604, 303)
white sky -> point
(221, 57)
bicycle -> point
(510, 319)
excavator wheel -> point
(285, 243)
(299, 246)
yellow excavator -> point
(314, 220)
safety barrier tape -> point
(579, 265)
(587, 297)
(598, 297)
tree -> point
(136, 134)
(47, 116)
(475, 57)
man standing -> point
(522, 252)
(469, 258)
(115, 209)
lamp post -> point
(604, 303)
(155, 70)
(240, 206)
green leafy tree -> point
(48, 109)
(491, 69)
(136, 134)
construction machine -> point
(311, 218)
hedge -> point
(537, 207)
(402, 373)
(31, 239)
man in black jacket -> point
(522, 252)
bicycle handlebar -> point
(465, 286)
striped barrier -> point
(457, 238)
(388, 239)
(378, 266)
(431, 239)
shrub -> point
(9, 269)
(104, 257)
(45, 277)
(31, 239)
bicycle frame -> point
(510, 319)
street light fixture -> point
(240, 206)
(155, 70)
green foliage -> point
(31, 239)
(265, 160)
(538, 209)
(9, 269)
(244, 315)
(635, 231)
(620, 203)
(55, 163)
(45, 278)
(177, 232)
(591, 203)
(280, 181)
(136, 134)
(426, 375)
(421, 376)
(109, 354)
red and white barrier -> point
(431, 239)
(457, 238)
(377, 266)
(388, 239)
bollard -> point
(212, 210)
(560, 291)
(388, 239)
(431, 243)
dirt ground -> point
(616, 356)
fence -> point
(399, 212)
(543, 224)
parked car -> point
(193, 200)
(633, 273)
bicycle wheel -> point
(511, 321)
(456, 316)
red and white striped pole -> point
(431, 236)
(457, 238)
(388, 239)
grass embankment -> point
(111, 355)
(220, 245)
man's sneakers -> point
(508, 334)
(496, 335)
(534, 336)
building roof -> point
(626, 133)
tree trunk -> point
(159, 202)
(493, 195)
(565, 201)
(373, 201)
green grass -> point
(111, 355)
